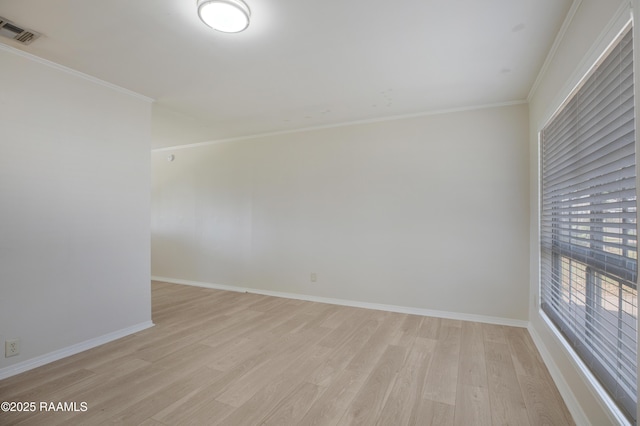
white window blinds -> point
(588, 224)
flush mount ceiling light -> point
(229, 16)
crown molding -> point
(71, 71)
(342, 124)
(554, 47)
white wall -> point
(594, 25)
(428, 212)
(169, 128)
(74, 211)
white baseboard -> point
(354, 303)
(38, 361)
(202, 284)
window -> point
(588, 230)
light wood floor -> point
(217, 357)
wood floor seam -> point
(227, 358)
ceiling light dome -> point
(229, 16)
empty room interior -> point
(382, 213)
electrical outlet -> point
(11, 348)
(314, 277)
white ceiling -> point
(301, 63)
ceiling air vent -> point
(13, 31)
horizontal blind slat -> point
(588, 230)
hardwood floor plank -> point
(543, 401)
(119, 366)
(229, 358)
(472, 368)
(343, 354)
(194, 355)
(288, 356)
(341, 315)
(442, 377)
(157, 401)
(343, 332)
(65, 394)
(40, 390)
(151, 422)
(273, 393)
(377, 343)
(320, 313)
(367, 404)
(429, 328)
(235, 326)
(472, 406)
(401, 406)
(293, 408)
(198, 408)
(507, 404)
(432, 413)
(494, 333)
(408, 331)
(334, 401)
(103, 397)
(526, 357)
